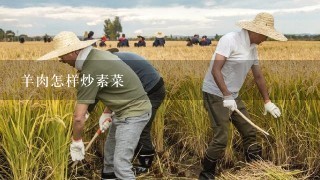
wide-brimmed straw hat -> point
(263, 23)
(159, 35)
(64, 43)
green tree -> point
(109, 29)
(1, 34)
(217, 37)
(117, 26)
(106, 29)
(113, 33)
(10, 35)
(112, 28)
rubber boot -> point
(145, 163)
(253, 154)
(108, 176)
(209, 169)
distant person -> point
(195, 39)
(189, 43)
(141, 42)
(90, 37)
(205, 41)
(21, 39)
(47, 38)
(235, 54)
(159, 41)
(103, 41)
(208, 41)
(123, 41)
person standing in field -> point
(118, 87)
(235, 55)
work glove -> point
(86, 116)
(229, 102)
(105, 121)
(77, 150)
(272, 109)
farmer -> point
(123, 41)
(141, 42)
(189, 42)
(90, 37)
(159, 41)
(123, 94)
(205, 41)
(154, 86)
(195, 39)
(235, 55)
(103, 41)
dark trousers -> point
(221, 117)
(145, 146)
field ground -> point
(35, 130)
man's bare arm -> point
(78, 120)
(217, 75)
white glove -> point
(272, 109)
(105, 121)
(87, 115)
(77, 150)
(229, 102)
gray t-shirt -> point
(147, 74)
(241, 56)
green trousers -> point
(221, 117)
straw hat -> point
(159, 35)
(263, 23)
(64, 43)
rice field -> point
(35, 130)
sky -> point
(146, 17)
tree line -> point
(6, 35)
(113, 28)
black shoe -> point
(137, 170)
(108, 176)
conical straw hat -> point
(159, 35)
(64, 43)
(263, 23)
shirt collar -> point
(244, 34)
(82, 56)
